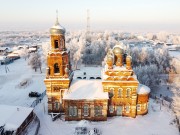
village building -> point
(16, 120)
(5, 50)
(85, 99)
(116, 93)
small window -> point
(111, 109)
(111, 92)
(86, 110)
(120, 92)
(49, 72)
(72, 111)
(138, 107)
(56, 68)
(56, 106)
(98, 110)
(128, 92)
(56, 44)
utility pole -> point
(88, 26)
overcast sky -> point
(126, 15)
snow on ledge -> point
(85, 89)
(143, 89)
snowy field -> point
(11, 90)
(156, 122)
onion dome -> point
(109, 58)
(57, 29)
(143, 89)
(129, 58)
(117, 49)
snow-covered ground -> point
(156, 122)
(175, 54)
(11, 92)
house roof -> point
(85, 89)
(13, 116)
(143, 89)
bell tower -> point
(58, 71)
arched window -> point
(56, 105)
(120, 92)
(128, 92)
(111, 92)
(98, 110)
(86, 110)
(56, 68)
(56, 44)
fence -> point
(165, 101)
(38, 100)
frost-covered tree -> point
(147, 75)
(45, 50)
(162, 36)
(24, 53)
(35, 61)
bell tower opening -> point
(56, 44)
(56, 68)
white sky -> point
(128, 15)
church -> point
(118, 93)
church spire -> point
(57, 19)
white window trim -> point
(111, 90)
(86, 112)
(72, 111)
(128, 89)
(98, 110)
(120, 90)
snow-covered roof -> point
(143, 89)
(85, 89)
(3, 57)
(4, 48)
(61, 52)
(13, 54)
(13, 116)
(32, 49)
